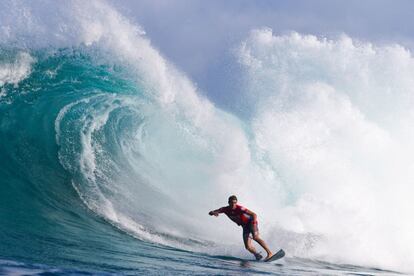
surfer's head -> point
(232, 201)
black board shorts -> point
(250, 228)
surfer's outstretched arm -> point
(216, 212)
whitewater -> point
(111, 157)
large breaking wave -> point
(322, 151)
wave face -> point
(99, 132)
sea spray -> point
(334, 119)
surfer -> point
(248, 220)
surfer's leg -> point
(255, 232)
(264, 245)
(248, 244)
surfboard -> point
(280, 254)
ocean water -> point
(111, 158)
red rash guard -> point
(238, 215)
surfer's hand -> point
(212, 213)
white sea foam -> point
(17, 70)
(334, 118)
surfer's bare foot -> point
(269, 255)
(258, 256)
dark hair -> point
(233, 197)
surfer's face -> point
(232, 203)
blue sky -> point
(198, 36)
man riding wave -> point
(248, 220)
